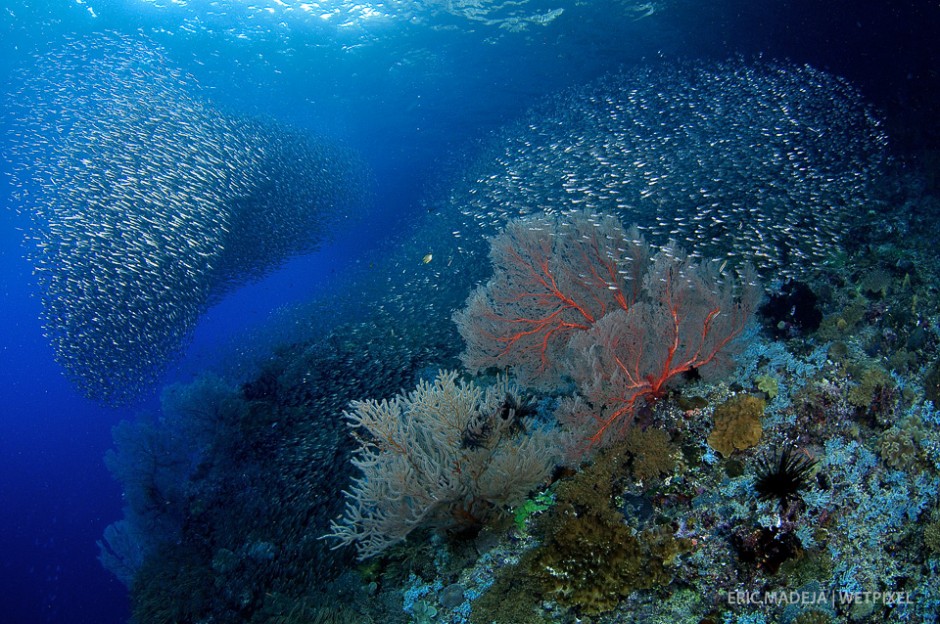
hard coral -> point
(591, 559)
(590, 564)
(737, 424)
(932, 538)
(653, 453)
(511, 599)
(870, 380)
(901, 446)
(813, 616)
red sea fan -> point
(580, 298)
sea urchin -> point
(782, 475)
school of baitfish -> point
(148, 204)
(759, 161)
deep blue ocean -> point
(413, 90)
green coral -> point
(768, 385)
(539, 503)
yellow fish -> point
(427, 258)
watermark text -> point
(889, 598)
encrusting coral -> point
(590, 558)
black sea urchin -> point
(782, 475)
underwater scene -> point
(469, 312)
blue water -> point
(410, 92)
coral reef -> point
(582, 298)
(243, 479)
(791, 311)
(932, 384)
(446, 455)
(737, 424)
(768, 385)
(781, 476)
(590, 558)
(810, 469)
(652, 452)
